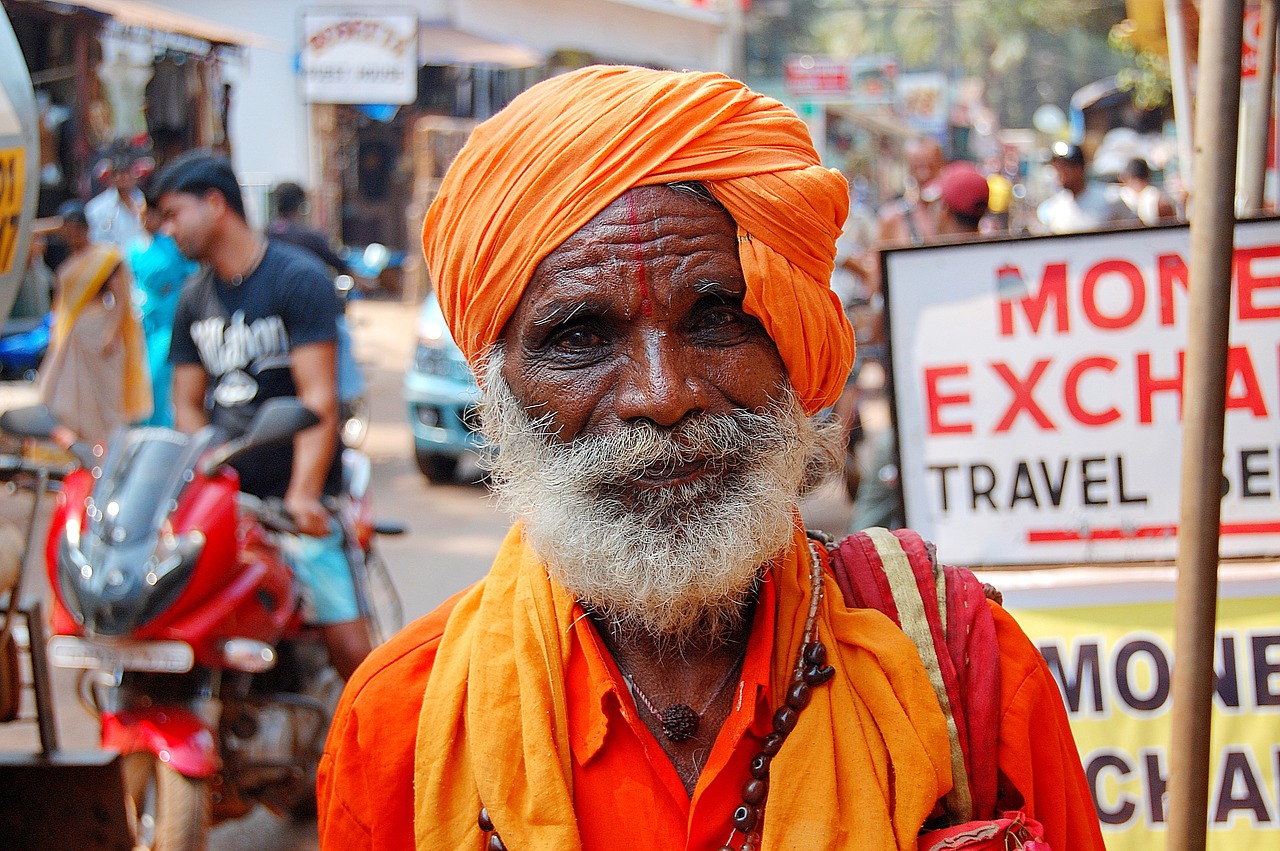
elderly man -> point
(637, 262)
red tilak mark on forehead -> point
(645, 307)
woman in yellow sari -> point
(95, 376)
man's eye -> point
(575, 339)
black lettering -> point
(1024, 490)
(1125, 498)
(1088, 480)
(1227, 684)
(942, 470)
(1122, 812)
(1248, 473)
(1087, 659)
(1266, 669)
(1055, 488)
(8, 242)
(1240, 789)
(1124, 681)
(985, 490)
(1157, 783)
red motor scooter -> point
(172, 596)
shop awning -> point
(134, 13)
(440, 45)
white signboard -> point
(359, 57)
(1038, 392)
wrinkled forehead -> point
(675, 230)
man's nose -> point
(661, 383)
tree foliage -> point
(1029, 52)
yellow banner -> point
(12, 172)
(1114, 663)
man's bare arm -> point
(314, 368)
(190, 382)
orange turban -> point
(562, 151)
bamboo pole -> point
(1261, 115)
(1212, 234)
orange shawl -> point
(862, 769)
(562, 151)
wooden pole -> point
(1212, 234)
(1260, 116)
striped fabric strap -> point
(915, 623)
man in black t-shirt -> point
(260, 322)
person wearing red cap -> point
(964, 195)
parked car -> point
(441, 394)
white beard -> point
(679, 564)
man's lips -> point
(668, 475)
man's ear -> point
(216, 200)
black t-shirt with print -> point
(242, 336)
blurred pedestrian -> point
(1139, 194)
(913, 218)
(159, 271)
(260, 322)
(94, 378)
(1080, 204)
(289, 226)
(115, 213)
(964, 195)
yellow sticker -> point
(12, 172)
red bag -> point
(1010, 832)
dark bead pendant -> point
(679, 722)
(818, 676)
(798, 696)
(755, 791)
(495, 843)
(745, 818)
(784, 720)
(772, 744)
(815, 654)
(486, 823)
(760, 766)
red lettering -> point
(1071, 392)
(1128, 273)
(1053, 287)
(1149, 385)
(1022, 398)
(1248, 285)
(1240, 365)
(1171, 269)
(936, 399)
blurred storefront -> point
(115, 77)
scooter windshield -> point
(145, 473)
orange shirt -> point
(627, 794)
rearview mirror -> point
(34, 421)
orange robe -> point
(881, 714)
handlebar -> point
(270, 512)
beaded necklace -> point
(811, 670)
(680, 720)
